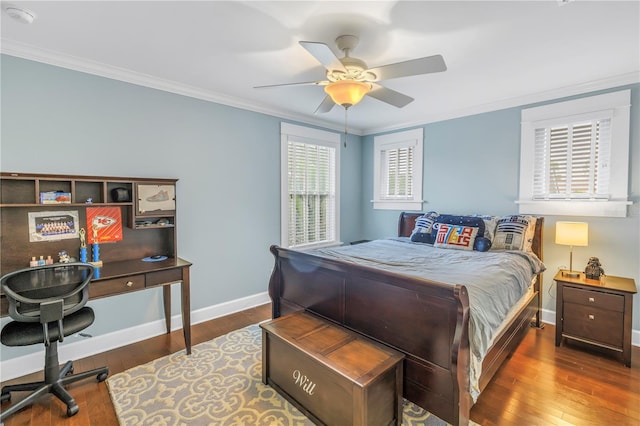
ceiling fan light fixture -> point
(347, 92)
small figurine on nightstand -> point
(594, 270)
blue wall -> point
(471, 165)
(227, 160)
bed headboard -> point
(407, 222)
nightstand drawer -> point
(608, 301)
(593, 324)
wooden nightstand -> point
(596, 312)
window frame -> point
(617, 105)
(291, 132)
(405, 139)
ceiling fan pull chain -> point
(345, 127)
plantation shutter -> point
(398, 166)
(312, 193)
(571, 159)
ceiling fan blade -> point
(325, 106)
(323, 54)
(389, 96)
(302, 83)
(418, 66)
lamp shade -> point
(347, 92)
(572, 233)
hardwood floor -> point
(539, 385)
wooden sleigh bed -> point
(426, 320)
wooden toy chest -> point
(333, 375)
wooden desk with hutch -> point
(145, 233)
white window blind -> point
(398, 170)
(572, 160)
(574, 157)
(312, 194)
(310, 160)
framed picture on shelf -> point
(104, 225)
(156, 198)
(53, 226)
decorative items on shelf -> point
(55, 197)
(63, 257)
(594, 270)
(40, 262)
(83, 245)
(95, 253)
(95, 249)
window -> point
(310, 187)
(575, 157)
(397, 170)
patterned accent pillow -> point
(463, 220)
(423, 231)
(490, 224)
(514, 233)
(458, 237)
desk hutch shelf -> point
(145, 233)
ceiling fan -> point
(349, 79)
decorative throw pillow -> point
(423, 231)
(514, 233)
(463, 220)
(482, 244)
(455, 236)
(490, 224)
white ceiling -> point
(499, 54)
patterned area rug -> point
(220, 383)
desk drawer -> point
(116, 286)
(164, 277)
(598, 299)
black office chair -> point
(47, 303)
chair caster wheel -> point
(102, 377)
(72, 411)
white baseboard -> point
(78, 347)
(549, 317)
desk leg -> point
(186, 309)
(166, 298)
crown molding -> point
(561, 92)
(49, 57)
(25, 51)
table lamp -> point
(572, 234)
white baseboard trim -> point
(79, 347)
(549, 317)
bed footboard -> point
(427, 321)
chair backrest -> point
(42, 293)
